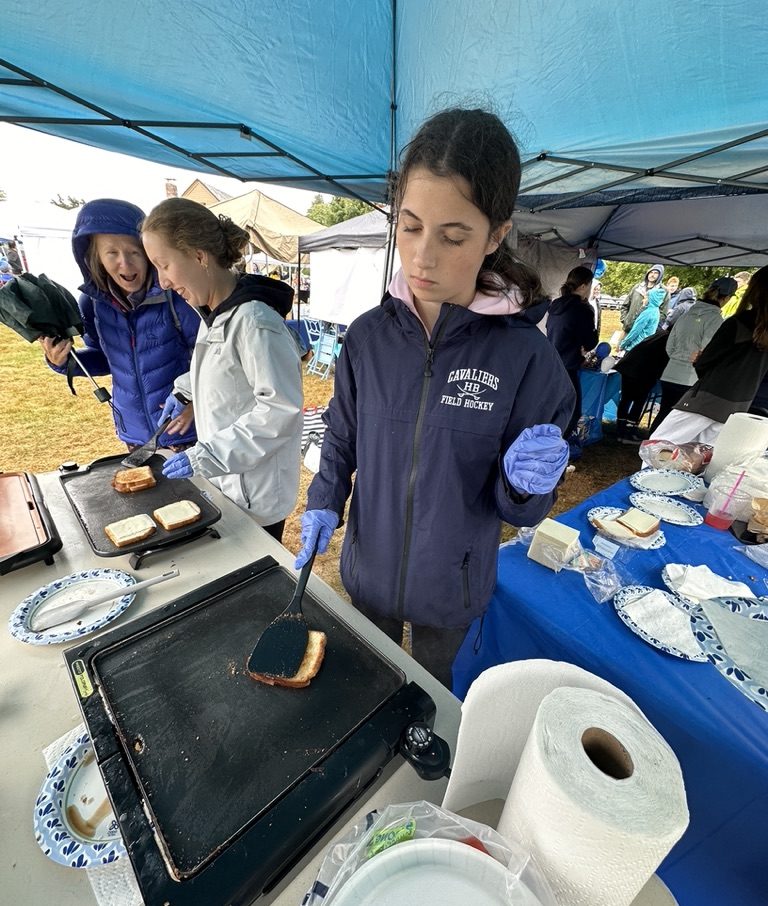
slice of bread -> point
(130, 530)
(613, 528)
(310, 664)
(639, 523)
(129, 480)
(176, 515)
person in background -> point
(672, 287)
(245, 375)
(638, 296)
(14, 259)
(742, 279)
(134, 330)
(594, 303)
(647, 321)
(685, 299)
(448, 400)
(730, 371)
(5, 272)
(690, 334)
(640, 370)
(571, 330)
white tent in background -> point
(45, 234)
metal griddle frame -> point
(255, 861)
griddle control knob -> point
(68, 466)
(426, 751)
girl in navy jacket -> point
(448, 400)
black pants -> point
(670, 394)
(275, 530)
(634, 393)
(434, 649)
(574, 376)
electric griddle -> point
(220, 783)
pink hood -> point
(505, 302)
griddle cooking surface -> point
(211, 748)
(96, 504)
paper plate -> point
(85, 584)
(666, 508)
(665, 481)
(611, 512)
(709, 643)
(630, 593)
(74, 822)
(433, 872)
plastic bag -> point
(601, 575)
(419, 821)
(524, 536)
(756, 552)
(666, 454)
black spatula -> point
(280, 648)
(145, 452)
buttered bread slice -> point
(176, 515)
(130, 530)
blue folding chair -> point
(326, 351)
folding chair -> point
(326, 351)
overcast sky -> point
(35, 167)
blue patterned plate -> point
(630, 593)
(611, 512)
(74, 822)
(666, 508)
(85, 584)
(666, 482)
(708, 640)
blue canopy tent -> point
(619, 114)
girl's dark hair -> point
(756, 297)
(477, 146)
(189, 226)
(577, 277)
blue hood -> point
(104, 215)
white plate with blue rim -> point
(611, 512)
(74, 822)
(710, 644)
(665, 508)
(666, 482)
(630, 593)
(77, 586)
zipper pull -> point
(428, 362)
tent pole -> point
(298, 285)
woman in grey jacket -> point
(245, 375)
(687, 339)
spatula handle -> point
(295, 604)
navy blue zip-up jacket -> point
(144, 348)
(571, 326)
(424, 423)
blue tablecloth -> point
(599, 391)
(719, 736)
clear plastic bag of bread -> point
(665, 454)
(395, 825)
(601, 575)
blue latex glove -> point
(536, 459)
(177, 466)
(172, 408)
(317, 526)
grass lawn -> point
(43, 425)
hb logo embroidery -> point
(470, 385)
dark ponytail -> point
(577, 277)
(477, 146)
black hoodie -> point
(250, 287)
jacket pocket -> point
(348, 566)
(466, 596)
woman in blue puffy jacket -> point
(133, 329)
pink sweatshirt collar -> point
(505, 302)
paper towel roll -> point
(598, 798)
(743, 434)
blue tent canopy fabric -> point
(324, 96)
